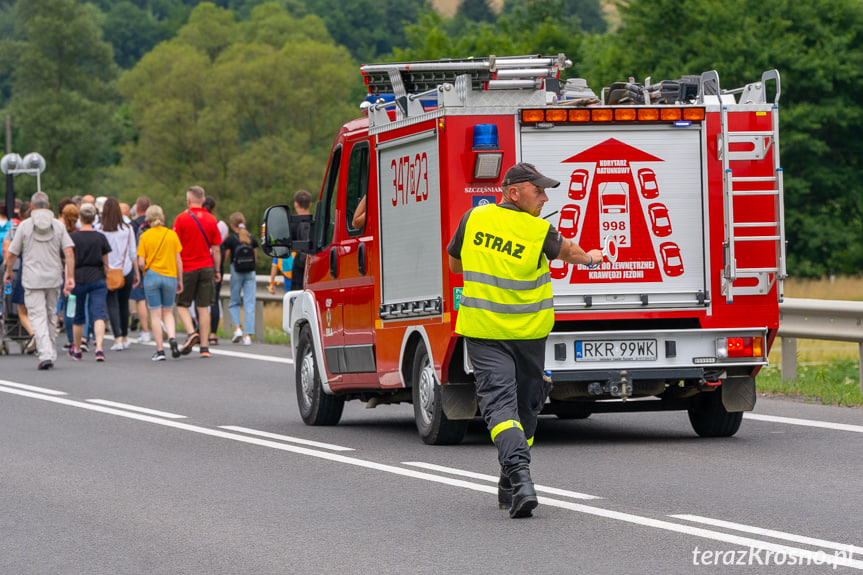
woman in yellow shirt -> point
(159, 256)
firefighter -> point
(505, 315)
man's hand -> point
(69, 286)
(7, 277)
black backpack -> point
(244, 258)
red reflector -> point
(713, 383)
(740, 347)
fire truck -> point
(686, 198)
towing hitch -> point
(617, 385)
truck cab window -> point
(357, 188)
(326, 212)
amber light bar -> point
(604, 115)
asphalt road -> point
(204, 466)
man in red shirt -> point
(201, 255)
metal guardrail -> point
(818, 319)
(261, 296)
(832, 320)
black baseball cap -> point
(524, 172)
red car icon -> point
(647, 180)
(568, 224)
(578, 185)
(559, 269)
(659, 220)
(614, 197)
(672, 263)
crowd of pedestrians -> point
(100, 263)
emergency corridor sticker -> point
(615, 196)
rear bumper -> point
(680, 354)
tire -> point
(709, 417)
(316, 407)
(433, 426)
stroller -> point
(10, 326)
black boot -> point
(504, 491)
(524, 499)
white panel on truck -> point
(411, 264)
(644, 188)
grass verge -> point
(833, 383)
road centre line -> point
(823, 543)
(287, 438)
(661, 524)
(147, 410)
(494, 478)
(804, 422)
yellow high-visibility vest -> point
(507, 284)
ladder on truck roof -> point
(409, 81)
(761, 143)
(491, 73)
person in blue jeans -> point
(159, 256)
(91, 261)
(243, 262)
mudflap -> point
(738, 394)
(459, 400)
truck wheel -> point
(709, 417)
(434, 427)
(316, 407)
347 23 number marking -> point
(410, 179)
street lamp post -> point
(33, 164)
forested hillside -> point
(129, 97)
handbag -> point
(114, 278)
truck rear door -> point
(644, 188)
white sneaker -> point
(144, 337)
(117, 346)
(126, 344)
(238, 335)
(247, 340)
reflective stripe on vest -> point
(507, 285)
(503, 426)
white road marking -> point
(745, 542)
(146, 410)
(805, 422)
(228, 353)
(32, 388)
(494, 478)
(287, 438)
(822, 543)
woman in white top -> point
(122, 256)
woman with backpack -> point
(241, 251)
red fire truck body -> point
(689, 195)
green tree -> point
(368, 28)
(63, 96)
(476, 11)
(132, 32)
(434, 37)
(249, 112)
(818, 49)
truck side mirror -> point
(277, 241)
